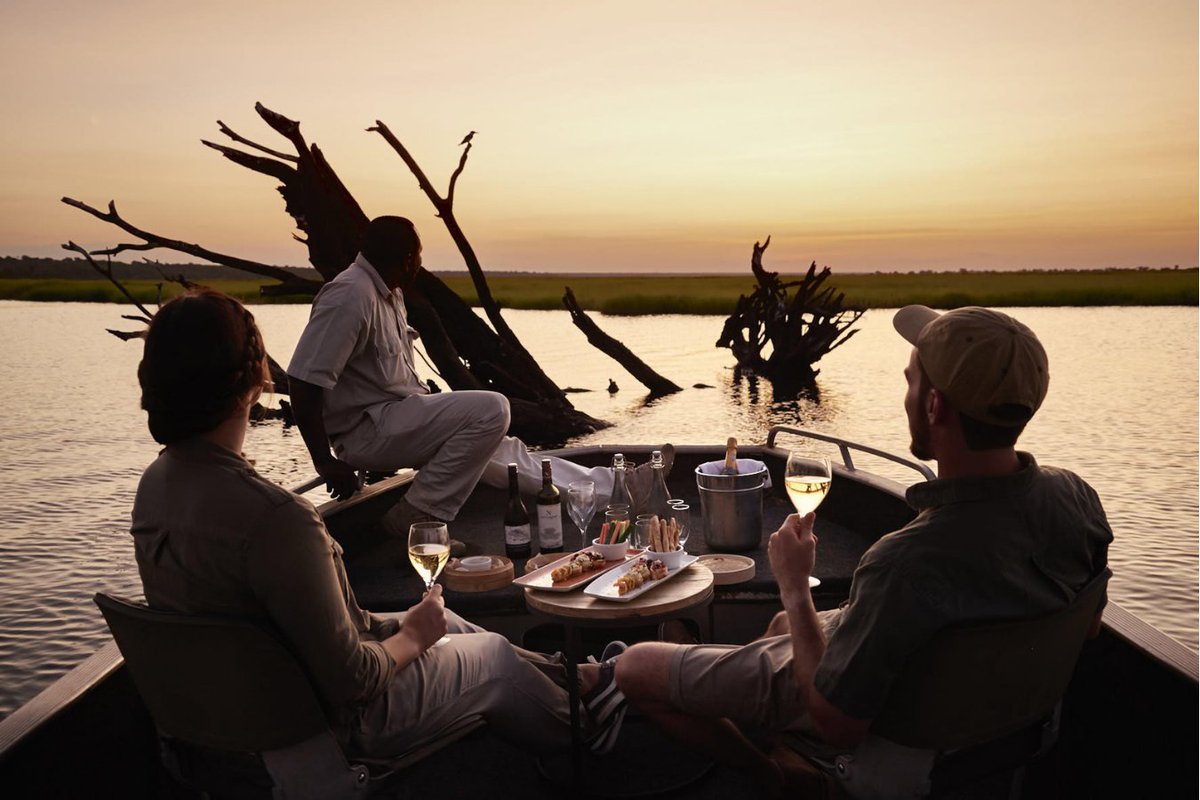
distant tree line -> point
(79, 269)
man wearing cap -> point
(996, 536)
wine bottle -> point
(549, 513)
(658, 499)
(620, 494)
(516, 520)
(730, 457)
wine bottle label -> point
(516, 534)
(550, 528)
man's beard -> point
(920, 446)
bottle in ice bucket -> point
(549, 511)
(658, 499)
(730, 457)
(516, 520)
(620, 494)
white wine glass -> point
(581, 505)
(807, 480)
(429, 550)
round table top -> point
(690, 588)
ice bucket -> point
(731, 507)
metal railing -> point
(845, 446)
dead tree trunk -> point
(801, 327)
(657, 384)
(466, 353)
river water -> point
(1122, 412)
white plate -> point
(540, 578)
(605, 588)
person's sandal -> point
(605, 703)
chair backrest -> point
(220, 682)
(974, 683)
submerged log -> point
(801, 326)
(657, 384)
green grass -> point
(716, 294)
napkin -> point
(745, 466)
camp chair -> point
(975, 701)
(236, 713)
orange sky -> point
(629, 136)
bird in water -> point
(467, 139)
(612, 386)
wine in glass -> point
(807, 480)
(581, 505)
(429, 550)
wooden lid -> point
(728, 568)
(497, 576)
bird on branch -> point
(467, 139)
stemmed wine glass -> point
(429, 550)
(581, 505)
(807, 479)
(681, 512)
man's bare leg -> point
(643, 674)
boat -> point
(1128, 725)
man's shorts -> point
(749, 684)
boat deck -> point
(383, 580)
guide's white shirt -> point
(357, 346)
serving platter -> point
(606, 589)
(540, 578)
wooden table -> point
(688, 590)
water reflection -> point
(71, 467)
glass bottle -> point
(658, 499)
(620, 494)
(517, 538)
(549, 513)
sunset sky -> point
(626, 136)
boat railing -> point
(845, 446)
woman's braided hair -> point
(203, 357)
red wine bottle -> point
(549, 512)
(516, 520)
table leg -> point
(573, 647)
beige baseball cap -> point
(989, 365)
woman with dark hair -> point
(213, 537)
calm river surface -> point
(1122, 412)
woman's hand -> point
(423, 625)
(793, 553)
(426, 621)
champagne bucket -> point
(731, 507)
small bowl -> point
(611, 552)
(475, 563)
(671, 559)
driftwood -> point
(657, 384)
(466, 352)
(801, 327)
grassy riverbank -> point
(716, 294)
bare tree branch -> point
(153, 241)
(225, 129)
(657, 384)
(462, 163)
(107, 272)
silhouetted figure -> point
(612, 386)
(467, 139)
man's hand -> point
(340, 478)
(793, 552)
(425, 622)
